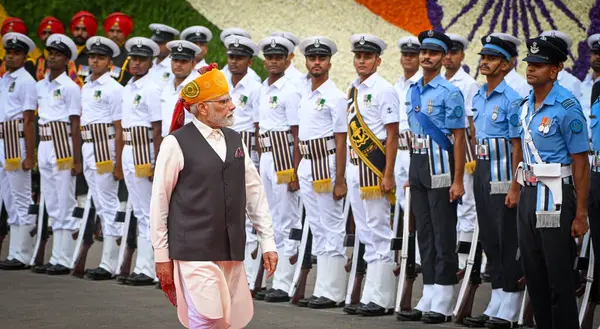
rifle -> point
(259, 274)
(85, 238)
(42, 233)
(526, 313)
(126, 249)
(298, 286)
(471, 280)
(3, 223)
(407, 273)
(357, 265)
(590, 297)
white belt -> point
(265, 141)
(87, 134)
(330, 144)
(46, 131)
(549, 174)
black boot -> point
(412, 315)
(476, 322)
(277, 296)
(140, 280)
(58, 270)
(435, 318)
(496, 323)
(41, 269)
(13, 265)
(98, 274)
(323, 302)
(351, 309)
(304, 301)
(261, 294)
(372, 309)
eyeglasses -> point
(221, 101)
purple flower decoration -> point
(435, 14)
(582, 64)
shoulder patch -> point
(514, 120)
(458, 111)
(455, 94)
(576, 126)
(568, 103)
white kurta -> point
(217, 289)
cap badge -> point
(157, 31)
(553, 34)
(139, 43)
(179, 47)
(488, 39)
(317, 43)
(430, 33)
(534, 48)
(197, 33)
(362, 40)
(14, 39)
(98, 41)
(543, 37)
(599, 41)
(273, 43)
(409, 43)
(49, 22)
(236, 43)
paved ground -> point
(29, 300)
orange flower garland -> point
(409, 15)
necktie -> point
(595, 92)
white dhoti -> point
(212, 295)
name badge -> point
(136, 100)
(98, 95)
(11, 88)
(57, 94)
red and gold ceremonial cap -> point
(51, 23)
(121, 20)
(88, 19)
(13, 24)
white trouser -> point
(401, 173)
(324, 214)
(104, 189)
(19, 189)
(372, 219)
(140, 193)
(58, 187)
(467, 216)
(284, 206)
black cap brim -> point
(538, 59)
(239, 52)
(409, 50)
(317, 52)
(491, 52)
(433, 47)
(61, 50)
(275, 51)
(99, 52)
(19, 46)
(367, 47)
(182, 57)
(140, 52)
(197, 38)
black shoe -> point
(304, 301)
(435, 318)
(351, 309)
(323, 302)
(372, 309)
(58, 270)
(12, 265)
(496, 323)
(140, 280)
(412, 315)
(122, 278)
(476, 322)
(261, 294)
(277, 296)
(98, 274)
(41, 269)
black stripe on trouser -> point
(3, 221)
(132, 232)
(497, 231)
(548, 256)
(435, 219)
(594, 218)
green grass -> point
(176, 13)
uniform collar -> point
(499, 88)
(243, 81)
(368, 83)
(434, 82)
(166, 62)
(140, 82)
(277, 84)
(459, 75)
(325, 87)
(551, 97)
(412, 79)
(204, 129)
(101, 80)
(62, 79)
(18, 73)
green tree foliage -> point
(176, 13)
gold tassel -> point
(104, 167)
(12, 164)
(143, 170)
(285, 176)
(391, 196)
(370, 192)
(323, 185)
(64, 163)
(470, 167)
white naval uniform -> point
(168, 100)
(466, 214)
(57, 101)
(245, 96)
(403, 156)
(251, 74)
(284, 205)
(140, 188)
(17, 94)
(372, 217)
(200, 64)
(570, 82)
(101, 102)
(162, 72)
(324, 214)
(300, 79)
(517, 82)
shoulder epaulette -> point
(568, 103)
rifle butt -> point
(588, 317)
(406, 299)
(300, 290)
(528, 316)
(126, 265)
(79, 269)
(466, 306)
(356, 289)
(259, 278)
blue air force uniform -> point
(547, 205)
(430, 177)
(496, 118)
